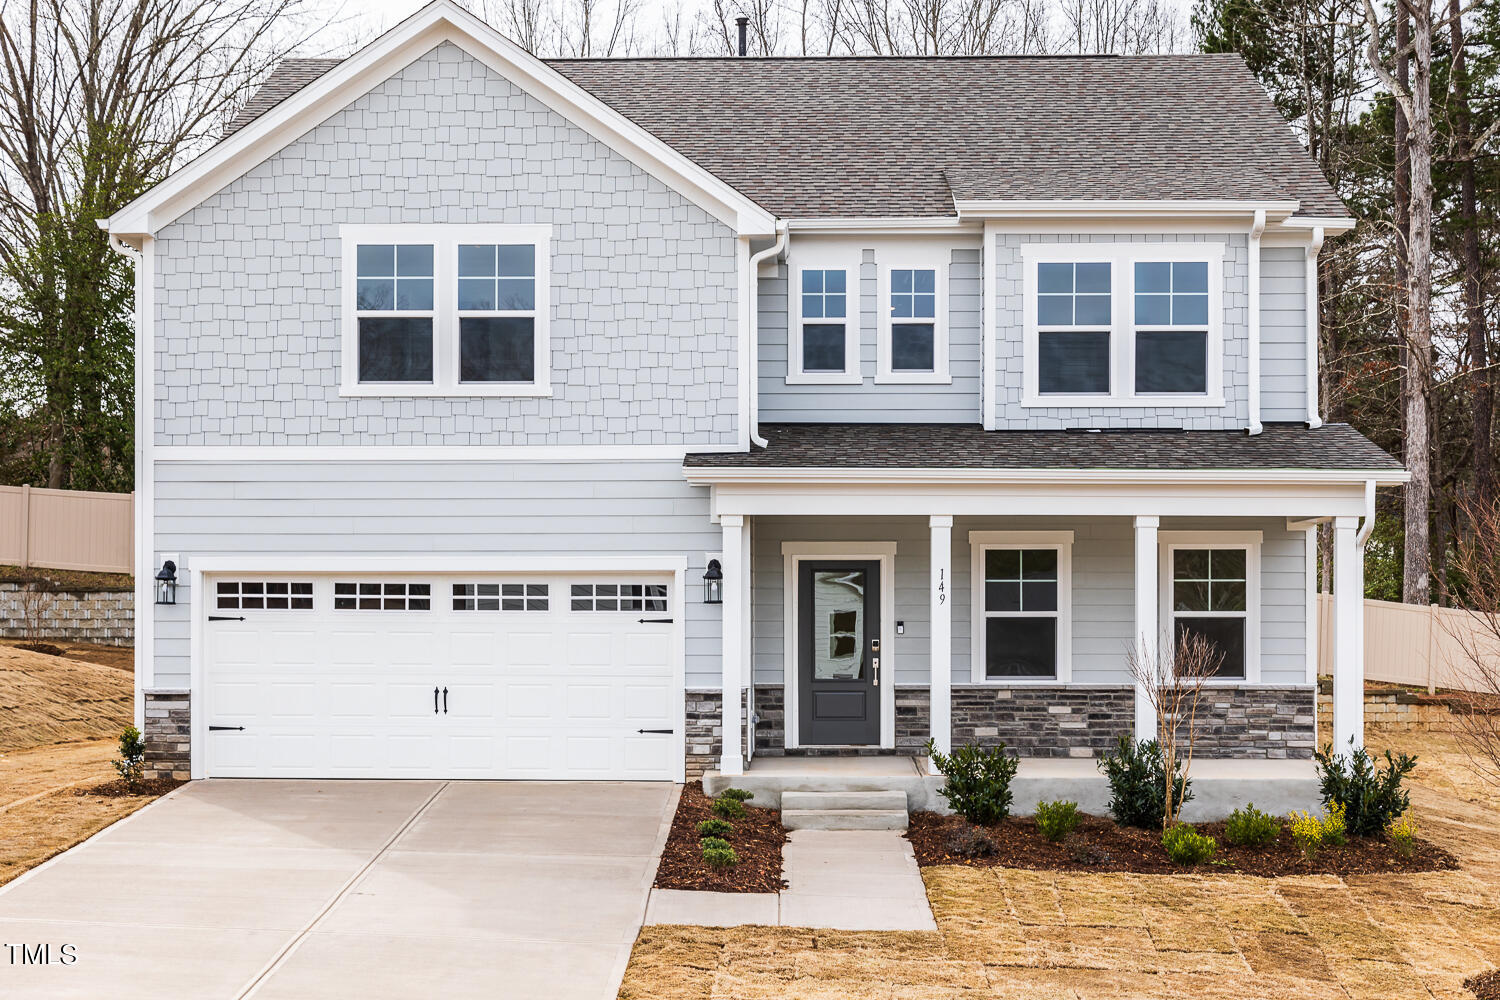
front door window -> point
(839, 610)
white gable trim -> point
(362, 72)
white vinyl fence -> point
(67, 529)
(1416, 645)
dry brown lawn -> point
(59, 722)
(1005, 933)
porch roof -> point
(1280, 447)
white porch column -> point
(941, 637)
(1147, 618)
(1348, 636)
(732, 758)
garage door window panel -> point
(500, 597)
(619, 597)
(382, 596)
(263, 595)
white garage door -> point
(354, 676)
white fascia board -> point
(1109, 209)
(729, 475)
(893, 225)
(443, 21)
(433, 562)
(432, 453)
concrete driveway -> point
(368, 889)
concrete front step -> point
(891, 799)
(843, 819)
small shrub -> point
(1307, 833)
(1250, 827)
(971, 842)
(1137, 777)
(1187, 847)
(1372, 797)
(728, 808)
(978, 781)
(715, 828)
(131, 764)
(1335, 826)
(714, 844)
(720, 857)
(1057, 819)
(738, 794)
(1403, 834)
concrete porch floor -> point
(1218, 786)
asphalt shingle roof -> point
(966, 446)
(870, 137)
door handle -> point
(445, 701)
(877, 671)
(434, 701)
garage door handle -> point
(226, 618)
(219, 729)
(434, 701)
(445, 701)
(655, 621)
(667, 731)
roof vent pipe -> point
(743, 23)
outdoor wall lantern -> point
(166, 583)
(713, 583)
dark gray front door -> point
(838, 643)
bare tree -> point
(37, 602)
(1414, 102)
(531, 24)
(1172, 676)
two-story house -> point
(627, 419)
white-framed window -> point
(618, 597)
(1022, 606)
(500, 597)
(824, 340)
(263, 595)
(1125, 324)
(457, 310)
(1211, 588)
(913, 331)
(382, 596)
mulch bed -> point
(116, 789)
(757, 839)
(1485, 986)
(48, 649)
(1099, 845)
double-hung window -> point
(446, 310)
(1022, 605)
(1073, 320)
(1211, 584)
(824, 345)
(913, 334)
(1126, 324)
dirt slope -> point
(54, 699)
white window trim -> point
(1250, 542)
(1122, 258)
(445, 240)
(815, 258)
(903, 258)
(981, 542)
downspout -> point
(1256, 229)
(754, 375)
(1313, 249)
(1368, 525)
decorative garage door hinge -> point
(666, 731)
(655, 621)
(217, 729)
(226, 618)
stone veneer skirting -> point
(168, 737)
(1264, 722)
(106, 617)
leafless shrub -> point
(1172, 676)
(1476, 562)
(37, 603)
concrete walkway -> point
(374, 889)
(857, 880)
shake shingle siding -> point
(248, 283)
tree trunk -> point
(1482, 397)
(1416, 582)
